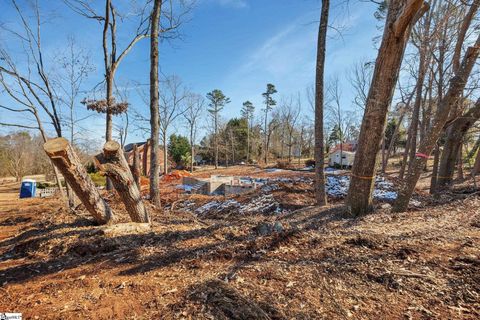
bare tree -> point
(444, 109)
(16, 152)
(111, 57)
(76, 67)
(336, 114)
(320, 194)
(33, 89)
(172, 106)
(402, 15)
(360, 77)
(195, 105)
(154, 104)
(421, 39)
(290, 114)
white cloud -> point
(286, 59)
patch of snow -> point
(273, 170)
(264, 204)
(270, 187)
(415, 203)
(309, 168)
(337, 186)
(185, 187)
(217, 206)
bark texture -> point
(320, 194)
(114, 164)
(66, 160)
(154, 104)
(401, 16)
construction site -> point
(239, 159)
(260, 254)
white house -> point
(341, 158)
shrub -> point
(91, 168)
(98, 179)
(44, 185)
(310, 163)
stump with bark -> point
(66, 160)
(115, 166)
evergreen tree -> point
(217, 102)
(247, 113)
(269, 104)
(179, 149)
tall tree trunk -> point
(401, 16)
(406, 151)
(457, 85)
(436, 161)
(192, 149)
(68, 163)
(114, 164)
(266, 135)
(290, 148)
(165, 157)
(476, 165)
(416, 108)
(154, 105)
(474, 150)
(460, 175)
(136, 167)
(320, 194)
(384, 154)
(216, 138)
(248, 140)
(393, 141)
(455, 135)
(70, 196)
(109, 74)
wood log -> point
(115, 166)
(66, 160)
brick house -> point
(144, 149)
(350, 146)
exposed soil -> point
(305, 263)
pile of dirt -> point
(175, 175)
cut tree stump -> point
(116, 167)
(66, 160)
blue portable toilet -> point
(28, 188)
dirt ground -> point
(307, 263)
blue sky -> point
(237, 46)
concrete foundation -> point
(217, 185)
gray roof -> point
(129, 147)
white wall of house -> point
(344, 158)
